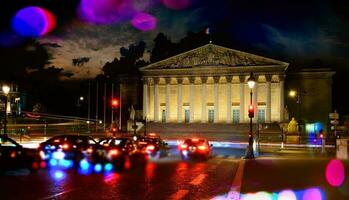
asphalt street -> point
(166, 178)
(299, 173)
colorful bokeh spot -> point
(33, 22)
(312, 194)
(144, 22)
(287, 195)
(57, 174)
(105, 11)
(176, 4)
(108, 167)
(257, 196)
(98, 168)
(335, 173)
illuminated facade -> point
(208, 85)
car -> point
(195, 148)
(70, 148)
(118, 150)
(14, 155)
(153, 146)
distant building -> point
(313, 100)
(208, 85)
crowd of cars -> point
(86, 154)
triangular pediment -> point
(212, 55)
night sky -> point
(311, 33)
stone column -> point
(203, 99)
(145, 98)
(242, 98)
(268, 98)
(156, 99)
(282, 97)
(179, 99)
(191, 98)
(229, 79)
(167, 98)
(216, 98)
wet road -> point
(166, 178)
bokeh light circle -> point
(105, 11)
(287, 195)
(257, 196)
(176, 4)
(144, 21)
(335, 173)
(263, 196)
(33, 21)
(312, 194)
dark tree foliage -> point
(129, 62)
(163, 48)
(17, 61)
(25, 65)
(193, 40)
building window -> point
(261, 115)
(163, 116)
(236, 116)
(186, 116)
(210, 116)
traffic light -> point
(114, 103)
(321, 135)
(250, 111)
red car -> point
(195, 148)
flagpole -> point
(97, 121)
(112, 111)
(104, 104)
(120, 88)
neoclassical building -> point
(208, 85)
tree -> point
(163, 48)
(130, 61)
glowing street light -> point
(251, 83)
(6, 91)
(292, 93)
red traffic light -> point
(115, 103)
(250, 111)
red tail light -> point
(113, 152)
(184, 146)
(89, 150)
(202, 147)
(150, 148)
(65, 146)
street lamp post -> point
(6, 90)
(251, 83)
(79, 105)
(298, 96)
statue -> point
(292, 126)
(286, 114)
(132, 113)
